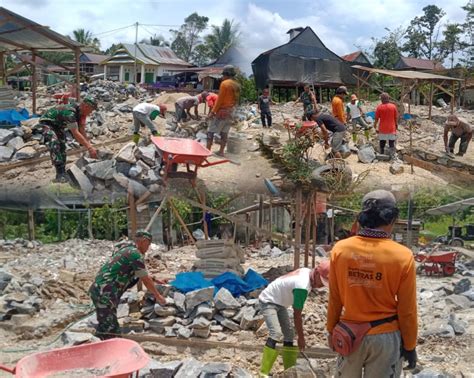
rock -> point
(18, 131)
(225, 300)
(159, 324)
(27, 152)
(396, 168)
(78, 338)
(127, 153)
(22, 308)
(184, 333)
(460, 302)
(5, 153)
(439, 328)
(468, 294)
(81, 180)
(122, 167)
(123, 310)
(165, 370)
(200, 322)
(164, 310)
(170, 332)
(113, 126)
(19, 319)
(6, 136)
(213, 369)
(262, 330)
(135, 171)
(203, 333)
(16, 143)
(147, 154)
(462, 286)
(67, 276)
(103, 170)
(190, 368)
(137, 189)
(5, 278)
(16, 297)
(366, 154)
(227, 323)
(429, 374)
(196, 297)
(251, 322)
(179, 301)
(150, 178)
(459, 326)
(238, 372)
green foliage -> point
(222, 38)
(87, 38)
(107, 219)
(187, 38)
(56, 57)
(295, 159)
(13, 224)
(387, 50)
(112, 49)
(156, 40)
(248, 89)
(452, 41)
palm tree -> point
(222, 38)
(86, 38)
(156, 40)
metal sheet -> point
(452, 208)
(412, 75)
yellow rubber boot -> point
(136, 138)
(290, 355)
(268, 359)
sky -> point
(343, 26)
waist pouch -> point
(346, 336)
(225, 113)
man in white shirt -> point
(291, 289)
(143, 115)
(355, 114)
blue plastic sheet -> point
(13, 117)
(190, 281)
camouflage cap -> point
(143, 234)
(90, 101)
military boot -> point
(60, 174)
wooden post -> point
(410, 123)
(3, 71)
(132, 214)
(34, 81)
(453, 98)
(31, 225)
(59, 224)
(270, 218)
(315, 228)
(260, 217)
(155, 215)
(298, 200)
(77, 54)
(431, 103)
(181, 221)
(204, 223)
(307, 231)
(89, 223)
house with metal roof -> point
(357, 57)
(416, 64)
(142, 63)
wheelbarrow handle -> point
(11, 371)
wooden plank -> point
(181, 221)
(157, 212)
(307, 231)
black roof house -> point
(304, 59)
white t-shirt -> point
(280, 291)
(353, 109)
(145, 108)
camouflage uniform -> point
(55, 122)
(121, 272)
(306, 99)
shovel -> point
(309, 363)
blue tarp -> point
(186, 282)
(13, 117)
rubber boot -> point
(354, 138)
(60, 173)
(136, 138)
(268, 359)
(367, 134)
(290, 355)
(392, 153)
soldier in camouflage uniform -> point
(56, 121)
(308, 98)
(124, 269)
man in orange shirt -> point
(386, 124)
(221, 115)
(338, 104)
(373, 279)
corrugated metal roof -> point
(352, 56)
(420, 64)
(407, 74)
(452, 207)
(18, 33)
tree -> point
(421, 38)
(452, 41)
(469, 33)
(156, 40)
(86, 38)
(112, 49)
(387, 50)
(222, 38)
(188, 36)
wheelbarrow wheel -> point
(449, 269)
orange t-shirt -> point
(387, 114)
(229, 92)
(372, 279)
(338, 109)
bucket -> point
(345, 151)
(235, 143)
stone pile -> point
(218, 256)
(198, 313)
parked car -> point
(166, 82)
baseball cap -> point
(379, 198)
(143, 234)
(452, 120)
(354, 97)
(90, 101)
(341, 90)
(323, 270)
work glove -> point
(409, 356)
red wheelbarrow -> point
(174, 151)
(300, 128)
(119, 358)
(437, 262)
(62, 98)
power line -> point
(113, 30)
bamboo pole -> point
(181, 222)
(307, 230)
(133, 213)
(31, 224)
(298, 200)
(157, 212)
(315, 228)
(34, 81)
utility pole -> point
(135, 54)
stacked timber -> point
(7, 98)
(219, 256)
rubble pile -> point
(218, 256)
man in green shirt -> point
(123, 270)
(56, 121)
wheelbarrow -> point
(62, 98)
(174, 151)
(300, 128)
(437, 262)
(118, 358)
